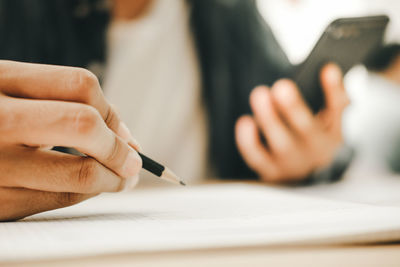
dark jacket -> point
(236, 48)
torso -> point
(153, 78)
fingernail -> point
(130, 183)
(125, 134)
(132, 164)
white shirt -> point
(372, 122)
(153, 79)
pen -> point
(159, 170)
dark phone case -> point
(346, 42)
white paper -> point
(198, 217)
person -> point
(182, 73)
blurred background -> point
(372, 121)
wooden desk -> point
(373, 255)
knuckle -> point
(115, 148)
(86, 120)
(85, 83)
(112, 119)
(86, 177)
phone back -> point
(346, 42)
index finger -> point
(50, 82)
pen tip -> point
(182, 183)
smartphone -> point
(346, 42)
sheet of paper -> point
(212, 216)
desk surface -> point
(372, 255)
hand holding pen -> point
(45, 106)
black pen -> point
(159, 170)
